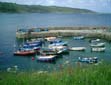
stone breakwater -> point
(88, 32)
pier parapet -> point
(90, 32)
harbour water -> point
(10, 22)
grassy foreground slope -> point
(94, 75)
(17, 8)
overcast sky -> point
(96, 5)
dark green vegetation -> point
(16, 8)
(91, 75)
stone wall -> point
(97, 32)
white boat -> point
(50, 38)
(78, 37)
(97, 44)
(98, 49)
(95, 40)
(58, 44)
(59, 49)
(77, 48)
(46, 58)
(64, 50)
(48, 51)
(89, 60)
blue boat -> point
(33, 45)
(22, 30)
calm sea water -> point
(10, 22)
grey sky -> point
(96, 5)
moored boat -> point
(57, 40)
(46, 58)
(50, 38)
(97, 44)
(58, 44)
(32, 44)
(88, 60)
(34, 47)
(77, 48)
(60, 49)
(47, 51)
(24, 53)
(95, 40)
(78, 37)
(98, 49)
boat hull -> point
(97, 49)
(98, 45)
(78, 38)
(90, 60)
(46, 58)
(27, 53)
(77, 49)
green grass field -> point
(91, 75)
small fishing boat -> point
(58, 44)
(78, 37)
(46, 58)
(32, 41)
(47, 51)
(95, 40)
(50, 38)
(88, 60)
(57, 40)
(98, 49)
(101, 44)
(77, 48)
(33, 44)
(60, 49)
(34, 47)
(24, 52)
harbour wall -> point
(88, 32)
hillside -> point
(16, 8)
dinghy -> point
(97, 44)
(98, 49)
(50, 38)
(24, 53)
(88, 60)
(77, 48)
(78, 37)
(46, 58)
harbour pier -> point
(88, 32)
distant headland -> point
(6, 7)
